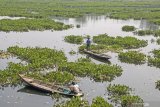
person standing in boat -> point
(88, 43)
(74, 88)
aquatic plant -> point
(77, 102)
(124, 42)
(74, 102)
(38, 58)
(128, 28)
(157, 33)
(155, 60)
(74, 39)
(24, 25)
(84, 60)
(100, 72)
(158, 84)
(134, 57)
(57, 77)
(102, 48)
(100, 102)
(118, 90)
(72, 52)
(158, 41)
(4, 54)
(144, 32)
(131, 101)
(121, 94)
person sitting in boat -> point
(88, 43)
(74, 88)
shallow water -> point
(141, 78)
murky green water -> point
(139, 77)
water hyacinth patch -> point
(121, 94)
(118, 90)
(4, 54)
(72, 52)
(144, 32)
(124, 42)
(77, 102)
(133, 57)
(131, 101)
(74, 39)
(100, 72)
(24, 25)
(158, 84)
(154, 61)
(128, 28)
(52, 77)
(102, 48)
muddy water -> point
(139, 77)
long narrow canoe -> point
(47, 87)
(100, 56)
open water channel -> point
(141, 78)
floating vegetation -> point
(124, 42)
(102, 48)
(157, 33)
(118, 90)
(144, 32)
(78, 26)
(24, 25)
(57, 77)
(158, 41)
(154, 61)
(72, 52)
(132, 57)
(74, 39)
(131, 101)
(74, 102)
(127, 28)
(122, 94)
(84, 60)
(158, 84)
(77, 102)
(38, 58)
(4, 54)
(101, 72)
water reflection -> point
(144, 24)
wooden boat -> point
(100, 56)
(48, 87)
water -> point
(141, 78)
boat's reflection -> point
(98, 59)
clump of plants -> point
(134, 57)
(158, 84)
(4, 54)
(122, 94)
(72, 52)
(158, 41)
(74, 39)
(102, 48)
(52, 77)
(144, 32)
(124, 42)
(100, 72)
(24, 25)
(84, 60)
(155, 60)
(128, 28)
(77, 102)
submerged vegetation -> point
(134, 57)
(74, 39)
(77, 102)
(128, 28)
(24, 25)
(122, 94)
(124, 42)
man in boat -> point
(74, 88)
(88, 42)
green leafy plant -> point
(132, 57)
(128, 28)
(74, 39)
(155, 60)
